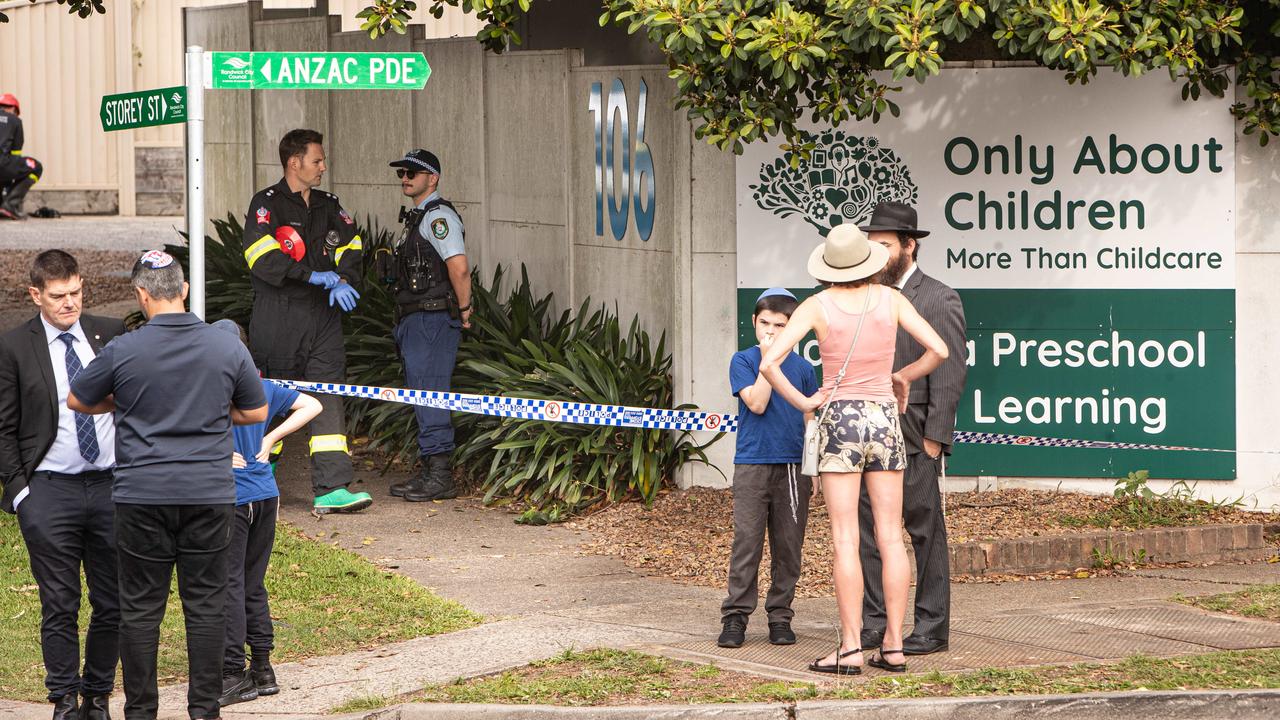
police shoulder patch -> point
(440, 228)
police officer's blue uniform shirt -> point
(254, 481)
(174, 380)
(443, 228)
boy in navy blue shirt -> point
(768, 489)
(253, 533)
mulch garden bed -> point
(105, 273)
(688, 534)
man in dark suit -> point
(927, 426)
(55, 465)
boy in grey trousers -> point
(768, 490)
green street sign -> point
(316, 71)
(163, 106)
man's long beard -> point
(892, 273)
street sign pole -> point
(195, 175)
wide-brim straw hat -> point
(847, 255)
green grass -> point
(1255, 601)
(324, 601)
(613, 677)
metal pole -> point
(195, 174)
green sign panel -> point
(316, 71)
(1132, 366)
(164, 106)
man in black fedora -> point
(928, 422)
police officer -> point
(304, 255)
(432, 284)
(17, 172)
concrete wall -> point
(276, 113)
(367, 130)
(449, 117)
(638, 272)
(228, 125)
(526, 104)
(1258, 333)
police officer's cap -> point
(420, 160)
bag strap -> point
(866, 303)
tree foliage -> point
(747, 69)
(83, 8)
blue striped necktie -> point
(86, 433)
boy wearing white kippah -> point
(768, 490)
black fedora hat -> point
(894, 217)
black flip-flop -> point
(878, 661)
(837, 669)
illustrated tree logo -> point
(841, 181)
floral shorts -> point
(861, 436)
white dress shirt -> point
(907, 276)
(64, 455)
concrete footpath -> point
(92, 232)
(540, 596)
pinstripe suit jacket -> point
(932, 403)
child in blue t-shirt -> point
(253, 534)
(768, 489)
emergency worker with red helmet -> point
(17, 171)
(305, 260)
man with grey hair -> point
(176, 386)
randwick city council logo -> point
(841, 181)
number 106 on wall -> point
(636, 180)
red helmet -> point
(9, 99)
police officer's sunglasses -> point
(411, 174)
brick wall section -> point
(1211, 543)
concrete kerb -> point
(463, 711)
(1236, 704)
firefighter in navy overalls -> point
(432, 285)
(18, 172)
(305, 260)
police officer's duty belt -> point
(433, 305)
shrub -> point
(516, 347)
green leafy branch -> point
(83, 8)
(750, 69)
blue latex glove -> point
(327, 280)
(345, 296)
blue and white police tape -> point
(691, 420)
(988, 438)
(532, 408)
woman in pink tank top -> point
(860, 439)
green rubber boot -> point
(342, 501)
